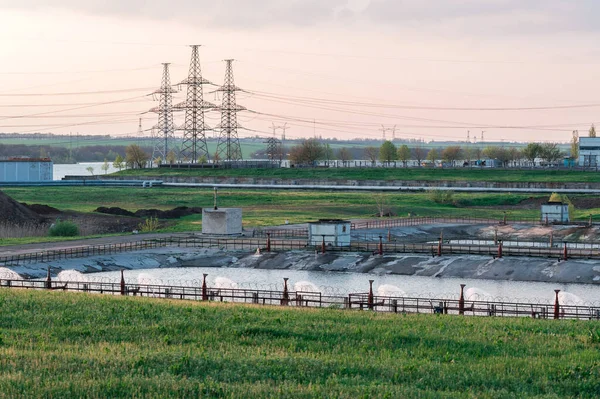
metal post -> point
(439, 251)
(461, 301)
(122, 283)
(268, 242)
(286, 296)
(499, 249)
(380, 245)
(566, 252)
(48, 279)
(389, 237)
(204, 293)
(323, 245)
(216, 191)
(556, 306)
(370, 298)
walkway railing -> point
(354, 301)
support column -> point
(556, 306)
(204, 293)
(461, 301)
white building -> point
(334, 232)
(26, 170)
(555, 212)
(589, 151)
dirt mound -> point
(14, 213)
(42, 209)
(176, 213)
(586, 202)
(114, 211)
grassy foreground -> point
(425, 174)
(65, 345)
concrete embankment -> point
(476, 267)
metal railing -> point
(353, 301)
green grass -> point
(274, 207)
(65, 345)
(466, 174)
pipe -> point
(380, 245)
(204, 293)
(566, 252)
(122, 283)
(500, 250)
(556, 306)
(268, 242)
(48, 280)
(286, 296)
(461, 301)
(370, 298)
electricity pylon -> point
(164, 131)
(228, 146)
(194, 128)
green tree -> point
(171, 157)
(118, 163)
(550, 152)
(404, 154)
(593, 131)
(372, 153)
(135, 157)
(532, 152)
(432, 156)
(575, 146)
(452, 154)
(105, 166)
(307, 153)
(388, 152)
(500, 154)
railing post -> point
(268, 242)
(323, 246)
(556, 306)
(380, 245)
(48, 280)
(286, 296)
(204, 294)
(439, 251)
(566, 252)
(122, 283)
(461, 301)
(370, 298)
(499, 249)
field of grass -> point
(65, 345)
(270, 207)
(425, 174)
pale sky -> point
(342, 68)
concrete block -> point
(223, 221)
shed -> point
(26, 170)
(555, 212)
(335, 232)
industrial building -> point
(26, 170)
(589, 151)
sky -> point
(435, 70)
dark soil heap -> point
(14, 213)
(175, 213)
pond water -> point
(80, 169)
(336, 283)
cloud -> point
(485, 16)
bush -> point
(441, 197)
(63, 229)
(149, 225)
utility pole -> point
(388, 129)
(228, 146)
(194, 128)
(164, 132)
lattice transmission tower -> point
(274, 145)
(194, 128)
(228, 146)
(164, 132)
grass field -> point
(267, 207)
(64, 345)
(466, 174)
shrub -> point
(63, 229)
(149, 225)
(441, 197)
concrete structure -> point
(335, 233)
(222, 221)
(589, 151)
(555, 212)
(26, 170)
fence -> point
(573, 250)
(356, 301)
(418, 221)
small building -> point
(222, 221)
(26, 170)
(335, 232)
(555, 212)
(589, 151)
